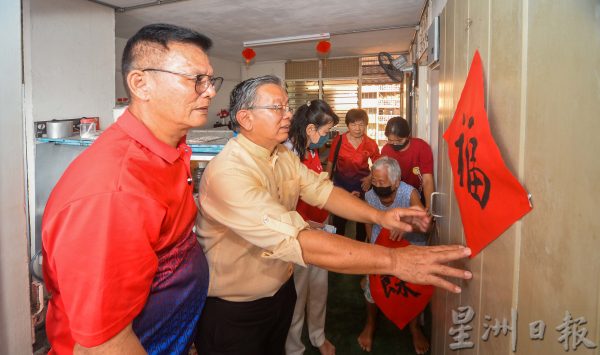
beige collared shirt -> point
(247, 224)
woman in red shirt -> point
(352, 164)
(414, 156)
(309, 131)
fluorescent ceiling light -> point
(290, 39)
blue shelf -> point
(76, 141)
(66, 141)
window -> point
(346, 83)
(341, 95)
(380, 97)
(301, 91)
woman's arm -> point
(415, 199)
(329, 168)
(428, 188)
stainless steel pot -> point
(59, 129)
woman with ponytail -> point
(309, 131)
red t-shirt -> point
(307, 211)
(353, 163)
(116, 229)
(414, 161)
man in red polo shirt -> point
(121, 262)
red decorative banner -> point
(400, 301)
(489, 197)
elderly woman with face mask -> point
(388, 191)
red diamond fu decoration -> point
(400, 301)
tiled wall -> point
(542, 86)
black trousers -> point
(340, 225)
(257, 327)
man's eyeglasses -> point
(280, 109)
(203, 81)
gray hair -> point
(244, 94)
(392, 166)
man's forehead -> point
(272, 92)
(188, 55)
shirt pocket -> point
(289, 192)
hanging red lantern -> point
(248, 54)
(323, 47)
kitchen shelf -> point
(206, 149)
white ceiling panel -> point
(231, 22)
(126, 3)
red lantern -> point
(323, 47)
(248, 54)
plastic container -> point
(87, 128)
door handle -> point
(435, 209)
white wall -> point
(15, 321)
(119, 86)
(421, 118)
(252, 70)
(228, 69)
(72, 52)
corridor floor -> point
(345, 319)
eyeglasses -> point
(203, 81)
(280, 109)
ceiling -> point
(230, 22)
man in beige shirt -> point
(252, 235)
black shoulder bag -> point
(335, 156)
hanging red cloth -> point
(489, 197)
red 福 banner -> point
(489, 197)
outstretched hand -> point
(425, 265)
(413, 219)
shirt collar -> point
(134, 128)
(256, 149)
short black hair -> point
(152, 40)
(397, 126)
(356, 114)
